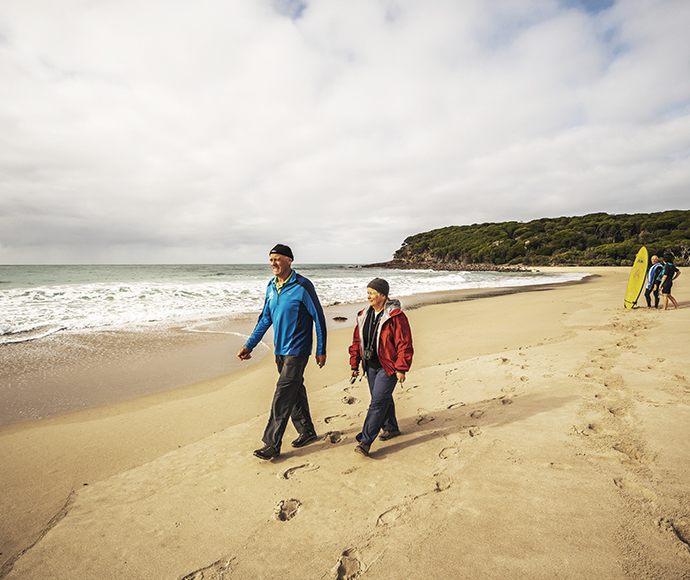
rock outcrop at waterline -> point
(446, 266)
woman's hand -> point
(354, 375)
(401, 377)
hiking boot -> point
(386, 435)
(304, 439)
(267, 452)
(363, 449)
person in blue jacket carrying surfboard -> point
(293, 309)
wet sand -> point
(544, 435)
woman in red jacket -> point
(382, 342)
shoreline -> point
(526, 386)
(96, 368)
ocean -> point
(38, 301)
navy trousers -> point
(289, 400)
(381, 413)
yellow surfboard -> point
(636, 281)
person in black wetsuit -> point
(670, 274)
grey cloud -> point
(210, 131)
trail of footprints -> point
(613, 429)
(350, 564)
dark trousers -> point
(647, 294)
(289, 401)
(381, 413)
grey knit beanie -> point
(380, 285)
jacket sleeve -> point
(355, 349)
(311, 301)
(262, 325)
(403, 344)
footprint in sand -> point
(349, 565)
(288, 473)
(333, 418)
(287, 509)
(423, 417)
(477, 414)
(391, 516)
(447, 452)
(474, 431)
(219, 570)
(630, 450)
(443, 482)
(348, 400)
(334, 437)
(679, 528)
(455, 405)
(633, 488)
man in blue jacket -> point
(292, 308)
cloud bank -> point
(169, 131)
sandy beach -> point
(545, 435)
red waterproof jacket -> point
(394, 339)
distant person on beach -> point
(653, 282)
(293, 308)
(669, 275)
(382, 342)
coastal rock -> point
(445, 266)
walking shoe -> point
(267, 452)
(304, 439)
(363, 449)
(386, 435)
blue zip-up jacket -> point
(291, 312)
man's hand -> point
(401, 377)
(244, 354)
(320, 360)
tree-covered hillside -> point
(597, 239)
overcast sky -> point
(170, 131)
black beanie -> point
(283, 250)
(380, 285)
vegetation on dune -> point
(597, 239)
